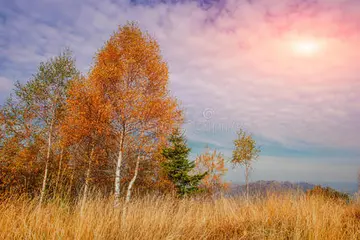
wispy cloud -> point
(231, 57)
(5, 85)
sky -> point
(286, 71)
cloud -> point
(233, 57)
(5, 85)
(299, 169)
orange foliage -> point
(131, 77)
(122, 110)
(19, 149)
(213, 163)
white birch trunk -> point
(118, 172)
(43, 188)
(128, 194)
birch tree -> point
(86, 124)
(244, 153)
(131, 76)
(45, 95)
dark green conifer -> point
(178, 167)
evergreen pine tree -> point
(178, 167)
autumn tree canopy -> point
(245, 152)
(131, 77)
(33, 117)
(111, 129)
(212, 162)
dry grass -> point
(281, 217)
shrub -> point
(328, 193)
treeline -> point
(113, 129)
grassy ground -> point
(281, 217)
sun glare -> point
(306, 47)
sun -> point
(306, 47)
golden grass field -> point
(275, 217)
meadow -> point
(286, 216)
(119, 129)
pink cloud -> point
(235, 58)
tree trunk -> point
(43, 188)
(117, 172)
(87, 179)
(59, 170)
(247, 180)
(71, 181)
(128, 194)
(72, 173)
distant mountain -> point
(264, 187)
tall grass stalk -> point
(164, 217)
